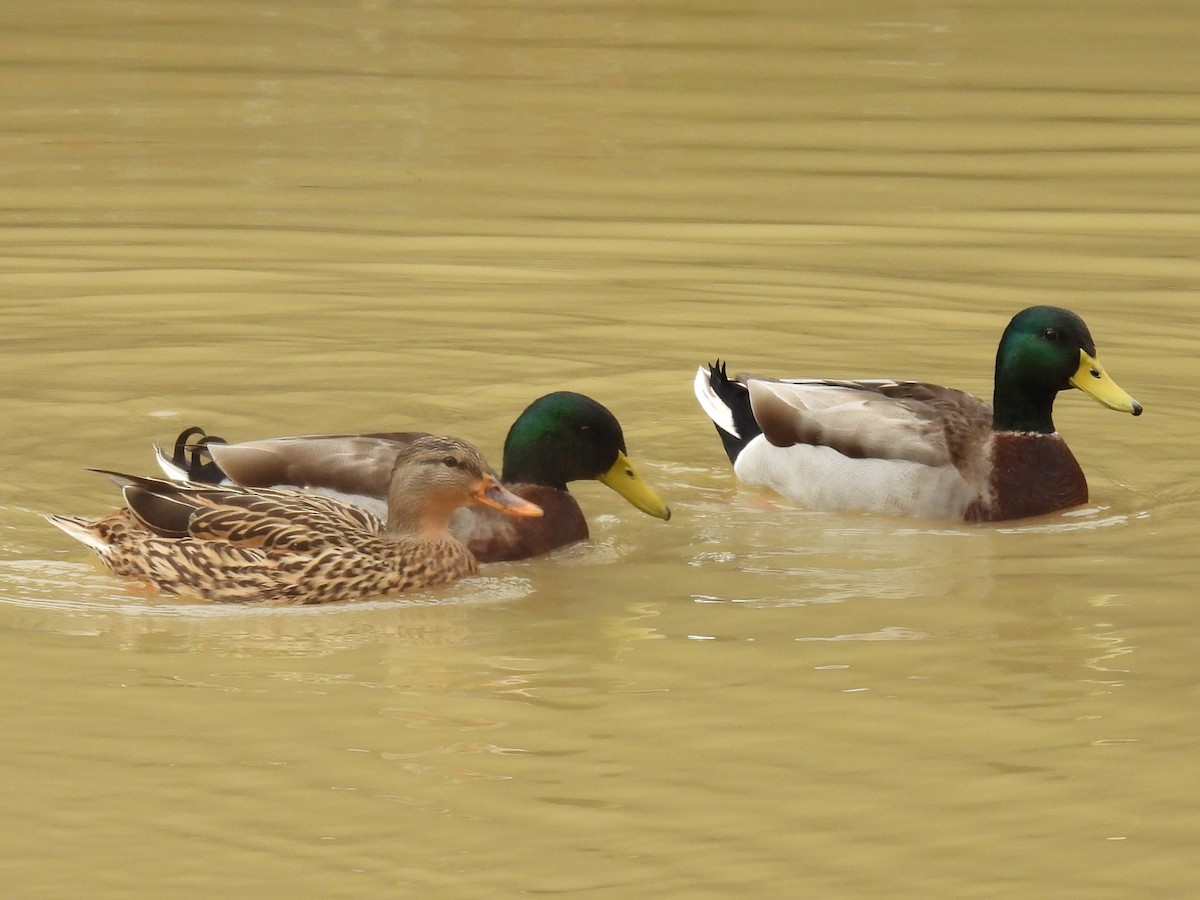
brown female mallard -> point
(920, 449)
(559, 438)
(240, 544)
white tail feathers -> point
(713, 406)
(170, 469)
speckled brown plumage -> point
(256, 559)
(236, 544)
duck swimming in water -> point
(917, 449)
(559, 438)
(238, 544)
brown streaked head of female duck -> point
(435, 475)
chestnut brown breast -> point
(496, 537)
(1032, 474)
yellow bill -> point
(1094, 381)
(623, 478)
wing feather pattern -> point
(908, 421)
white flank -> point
(822, 478)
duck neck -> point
(524, 470)
(419, 515)
(530, 459)
(1011, 413)
(1022, 406)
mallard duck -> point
(920, 449)
(559, 438)
(241, 544)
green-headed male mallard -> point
(920, 449)
(559, 438)
(240, 544)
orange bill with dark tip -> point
(493, 493)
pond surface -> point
(276, 218)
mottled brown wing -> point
(966, 421)
(249, 517)
(278, 519)
(254, 531)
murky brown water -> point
(274, 218)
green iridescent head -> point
(1044, 350)
(565, 437)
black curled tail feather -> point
(737, 399)
(193, 457)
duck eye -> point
(451, 461)
(1052, 335)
